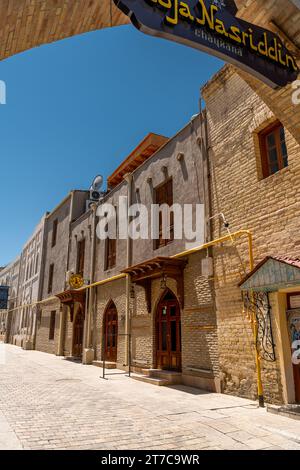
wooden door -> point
(293, 301)
(111, 334)
(168, 334)
(78, 334)
(294, 324)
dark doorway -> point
(78, 330)
(168, 333)
(111, 333)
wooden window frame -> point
(54, 233)
(161, 242)
(275, 127)
(50, 279)
(80, 257)
(110, 253)
(52, 325)
(37, 261)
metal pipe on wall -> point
(92, 276)
(129, 180)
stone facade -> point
(268, 207)
(23, 327)
(283, 18)
(58, 260)
(199, 330)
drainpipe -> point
(128, 178)
(89, 352)
(43, 255)
(62, 316)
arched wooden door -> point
(111, 333)
(168, 333)
(78, 330)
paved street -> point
(47, 402)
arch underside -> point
(27, 24)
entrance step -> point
(151, 380)
(289, 411)
(159, 377)
(175, 378)
(108, 365)
(78, 360)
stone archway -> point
(25, 25)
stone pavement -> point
(47, 402)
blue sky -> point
(76, 108)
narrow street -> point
(47, 402)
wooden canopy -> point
(149, 145)
(143, 274)
(70, 297)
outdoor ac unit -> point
(89, 204)
(95, 195)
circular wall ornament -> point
(76, 281)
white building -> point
(23, 277)
(24, 320)
(9, 276)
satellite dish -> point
(97, 183)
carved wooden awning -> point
(70, 297)
(143, 274)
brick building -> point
(254, 183)
(95, 323)
(57, 262)
(159, 284)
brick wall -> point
(269, 208)
(43, 343)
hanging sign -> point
(76, 281)
(4, 297)
(213, 26)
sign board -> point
(4, 290)
(76, 281)
(294, 301)
(213, 27)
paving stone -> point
(40, 409)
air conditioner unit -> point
(95, 192)
(89, 204)
(95, 195)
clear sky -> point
(76, 108)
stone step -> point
(289, 411)
(172, 377)
(108, 365)
(151, 380)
